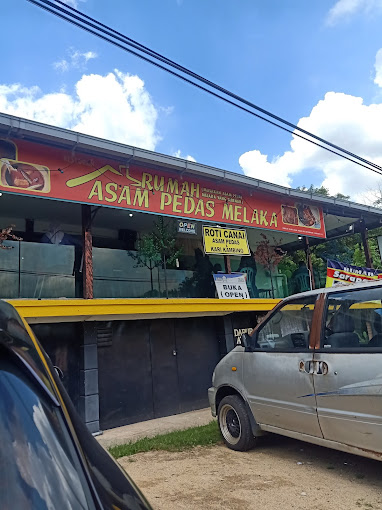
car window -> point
(354, 320)
(39, 469)
(289, 328)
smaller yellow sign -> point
(225, 241)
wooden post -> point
(309, 262)
(227, 264)
(365, 242)
(87, 265)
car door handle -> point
(321, 368)
(306, 366)
(313, 367)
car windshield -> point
(39, 468)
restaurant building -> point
(136, 329)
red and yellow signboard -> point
(39, 170)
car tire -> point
(234, 424)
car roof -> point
(337, 288)
(8, 312)
(15, 337)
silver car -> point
(312, 370)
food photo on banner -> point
(345, 274)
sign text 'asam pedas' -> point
(101, 182)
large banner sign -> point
(339, 273)
(35, 169)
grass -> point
(177, 441)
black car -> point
(48, 458)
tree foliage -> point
(322, 190)
(159, 248)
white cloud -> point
(345, 121)
(344, 9)
(178, 154)
(72, 3)
(116, 106)
(75, 60)
(378, 68)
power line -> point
(92, 26)
(145, 49)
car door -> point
(348, 378)
(278, 375)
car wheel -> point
(234, 424)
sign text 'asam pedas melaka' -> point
(41, 170)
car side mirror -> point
(247, 341)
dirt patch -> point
(279, 473)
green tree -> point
(322, 190)
(158, 248)
(147, 256)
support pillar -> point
(227, 264)
(87, 266)
(89, 395)
(309, 262)
(229, 339)
(365, 243)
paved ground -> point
(279, 473)
(122, 435)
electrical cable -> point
(121, 37)
(52, 8)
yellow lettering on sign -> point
(255, 217)
(263, 218)
(165, 199)
(210, 209)
(96, 191)
(172, 186)
(273, 220)
(195, 190)
(189, 205)
(227, 212)
(111, 188)
(141, 198)
(160, 186)
(176, 202)
(237, 215)
(146, 180)
(245, 216)
(185, 188)
(125, 195)
(200, 208)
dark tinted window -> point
(39, 469)
(354, 320)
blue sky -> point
(316, 63)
